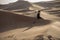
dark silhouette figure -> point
(38, 15)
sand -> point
(25, 25)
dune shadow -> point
(10, 21)
(37, 23)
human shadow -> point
(10, 21)
(38, 22)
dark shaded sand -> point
(10, 21)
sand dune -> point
(14, 26)
(16, 5)
(48, 4)
(19, 27)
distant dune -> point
(16, 5)
(48, 4)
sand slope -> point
(20, 26)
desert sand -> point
(25, 26)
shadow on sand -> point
(10, 21)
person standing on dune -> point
(38, 14)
